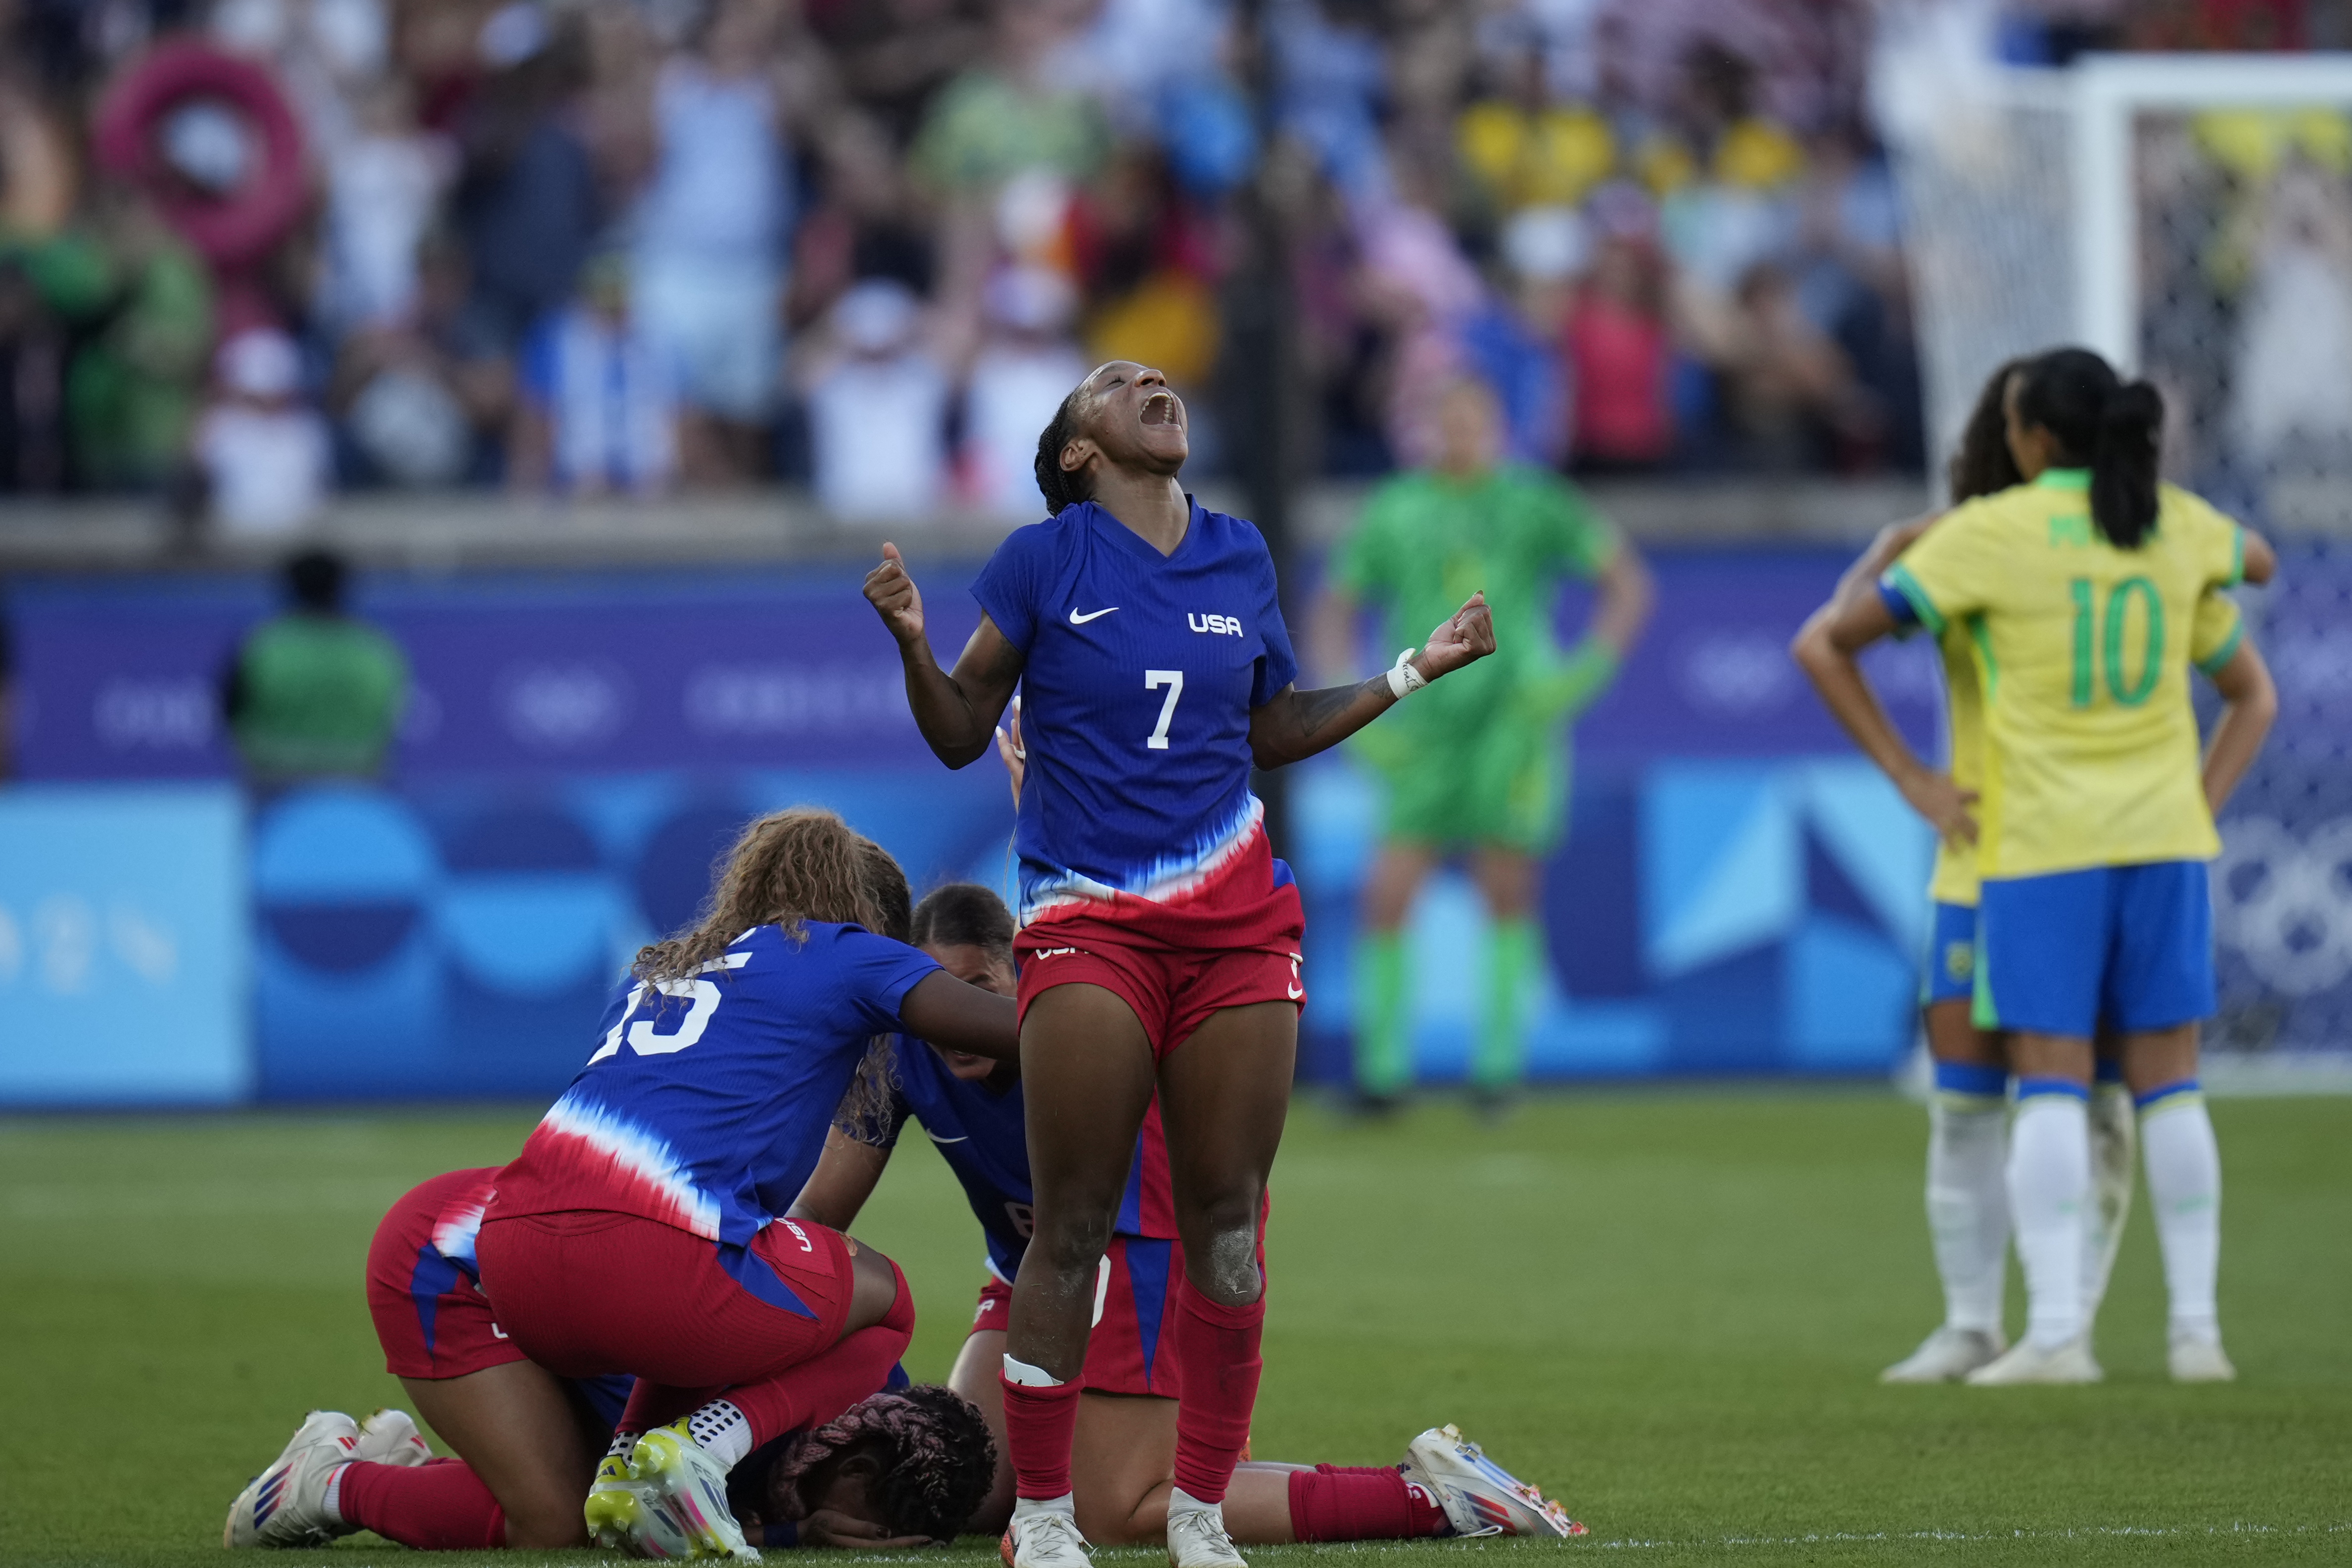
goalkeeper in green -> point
(1476, 765)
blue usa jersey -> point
(706, 1103)
(980, 1132)
(1141, 673)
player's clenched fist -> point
(1467, 635)
(893, 594)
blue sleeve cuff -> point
(1916, 609)
(1907, 615)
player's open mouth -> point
(1161, 409)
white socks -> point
(1021, 1375)
(2049, 1187)
(722, 1432)
(1968, 1209)
(2184, 1187)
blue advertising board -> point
(123, 940)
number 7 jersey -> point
(1140, 675)
(2081, 652)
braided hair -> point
(933, 1450)
(1057, 485)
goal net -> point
(2190, 217)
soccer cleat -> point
(623, 1515)
(1946, 1356)
(1049, 1539)
(678, 1475)
(2114, 1150)
(2025, 1363)
(2195, 1359)
(286, 1505)
(1197, 1539)
(389, 1438)
(1477, 1495)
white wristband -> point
(1403, 679)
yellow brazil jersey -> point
(2087, 750)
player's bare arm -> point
(2261, 560)
(844, 1179)
(957, 711)
(1827, 648)
(1627, 596)
(1297, 724)
(958, 1016)
(2249, 702)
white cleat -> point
(286, 1504)
(1946, 1356)
(389, 1438)
(2026, 1364)
(2195, 1359)
(626, 1515)
(1197, 1539)
(1479, 1497)
(678, 1475)
(1046, 1539)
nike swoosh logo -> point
(937, 1139)
(1078, 620)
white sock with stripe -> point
(2184, 1188)
(2049, 1188)
(1967, 1201)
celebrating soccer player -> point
(2080, 589)
(1159, 948)
(1482, 765)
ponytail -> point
(1059, 487)
(2107, 425)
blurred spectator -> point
(1026, 366)
(425, 400)
(599, 401)
(265, 456)
(1009, 114)
(897, 54)
(314, 693)
(32, 383)
(526, 202)
(383, 184)
(1526, 150)
(1620, 354)
(878, 402)
(710, 234)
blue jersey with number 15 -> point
(1141, 672)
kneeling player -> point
(888, 1472)
(1125, 1450)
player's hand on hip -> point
(1467, 635)
(1944, 804)
(892, 593)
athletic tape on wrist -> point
(1403, 679)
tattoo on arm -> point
(1313, 710)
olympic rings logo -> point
(2286, 902)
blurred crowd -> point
(253, 252)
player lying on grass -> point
(527, 1440)
(2080, 589)
(1122, 1460)
(1967, 1206)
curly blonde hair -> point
(787, 868)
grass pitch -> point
(1668, 1307)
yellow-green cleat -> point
(623, 1517)
(679, 1477)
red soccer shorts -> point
(430, 1318)
(1230, 943)
(585, 1292)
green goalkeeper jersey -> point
(1428, 541)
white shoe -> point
(2024, 1362)
(389, 1438)
(678, 1475)
(1046, 1539)
(1946, 1356)
(1197, 1539)
(1480, 1497)
(2114, 1152)
(2195, 1359)
(286, 1504)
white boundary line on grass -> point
(2072, 1534)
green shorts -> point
(1505, 784)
